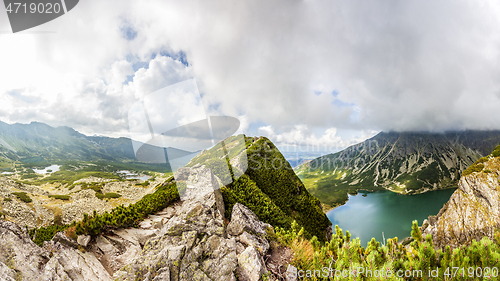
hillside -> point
(406, 163)
(268, 186)
(38, 142)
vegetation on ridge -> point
(269, 186)
(120, 216)
(343, 258)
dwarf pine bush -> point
(417, 261)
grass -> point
(331, 189)
(473, 169)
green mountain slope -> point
(406, 163)
(269, 186)
(37, 142)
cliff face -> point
(188, 240)
(473, 210)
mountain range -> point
(407, 163)
(37, 142)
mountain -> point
(473, 210)
(264, 181)
(213, 233)
(407, 163)
(37, 142)
(185, 240)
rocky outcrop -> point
(21, 259)
(186, 241)
(472, 212)
(194, 244)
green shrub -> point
(7, 199)
(473, 169)
(482, 160)
(107, 195)
(120, 216)
(496, 152)
(23, 196)
(39, 235)
(61, 197)
(131, 215)
(341, 254)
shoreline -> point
(327, 208)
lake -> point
(51, 168)
(385, 211)
(132, 176)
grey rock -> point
(63, 239)
(55, 261)
(291, 273)
(260, 244)
(251, 265)
(472, 212)
(6, 273)
(83, 240)
(243, 219)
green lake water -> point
(388, 212)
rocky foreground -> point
(473, 210)
(188, 240)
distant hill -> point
(38, 142)
(407, 163)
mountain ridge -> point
(407, 163)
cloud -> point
(412, 65)
(301, 136)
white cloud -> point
(302, 137)
(414, 65)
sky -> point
(322, 73)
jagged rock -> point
(55, 261)
(83, 240)
(243, 219)
(6, 273)
(251, 265)
(257, 242)
(191, 243)
(472, 212)
(63, 239)
(185, 241)
(291, 273)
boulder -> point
(243, 219)
(260, 244)
(57, 260)
(63, 239)
(83, 240)
(251, 265)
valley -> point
(405, 163)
